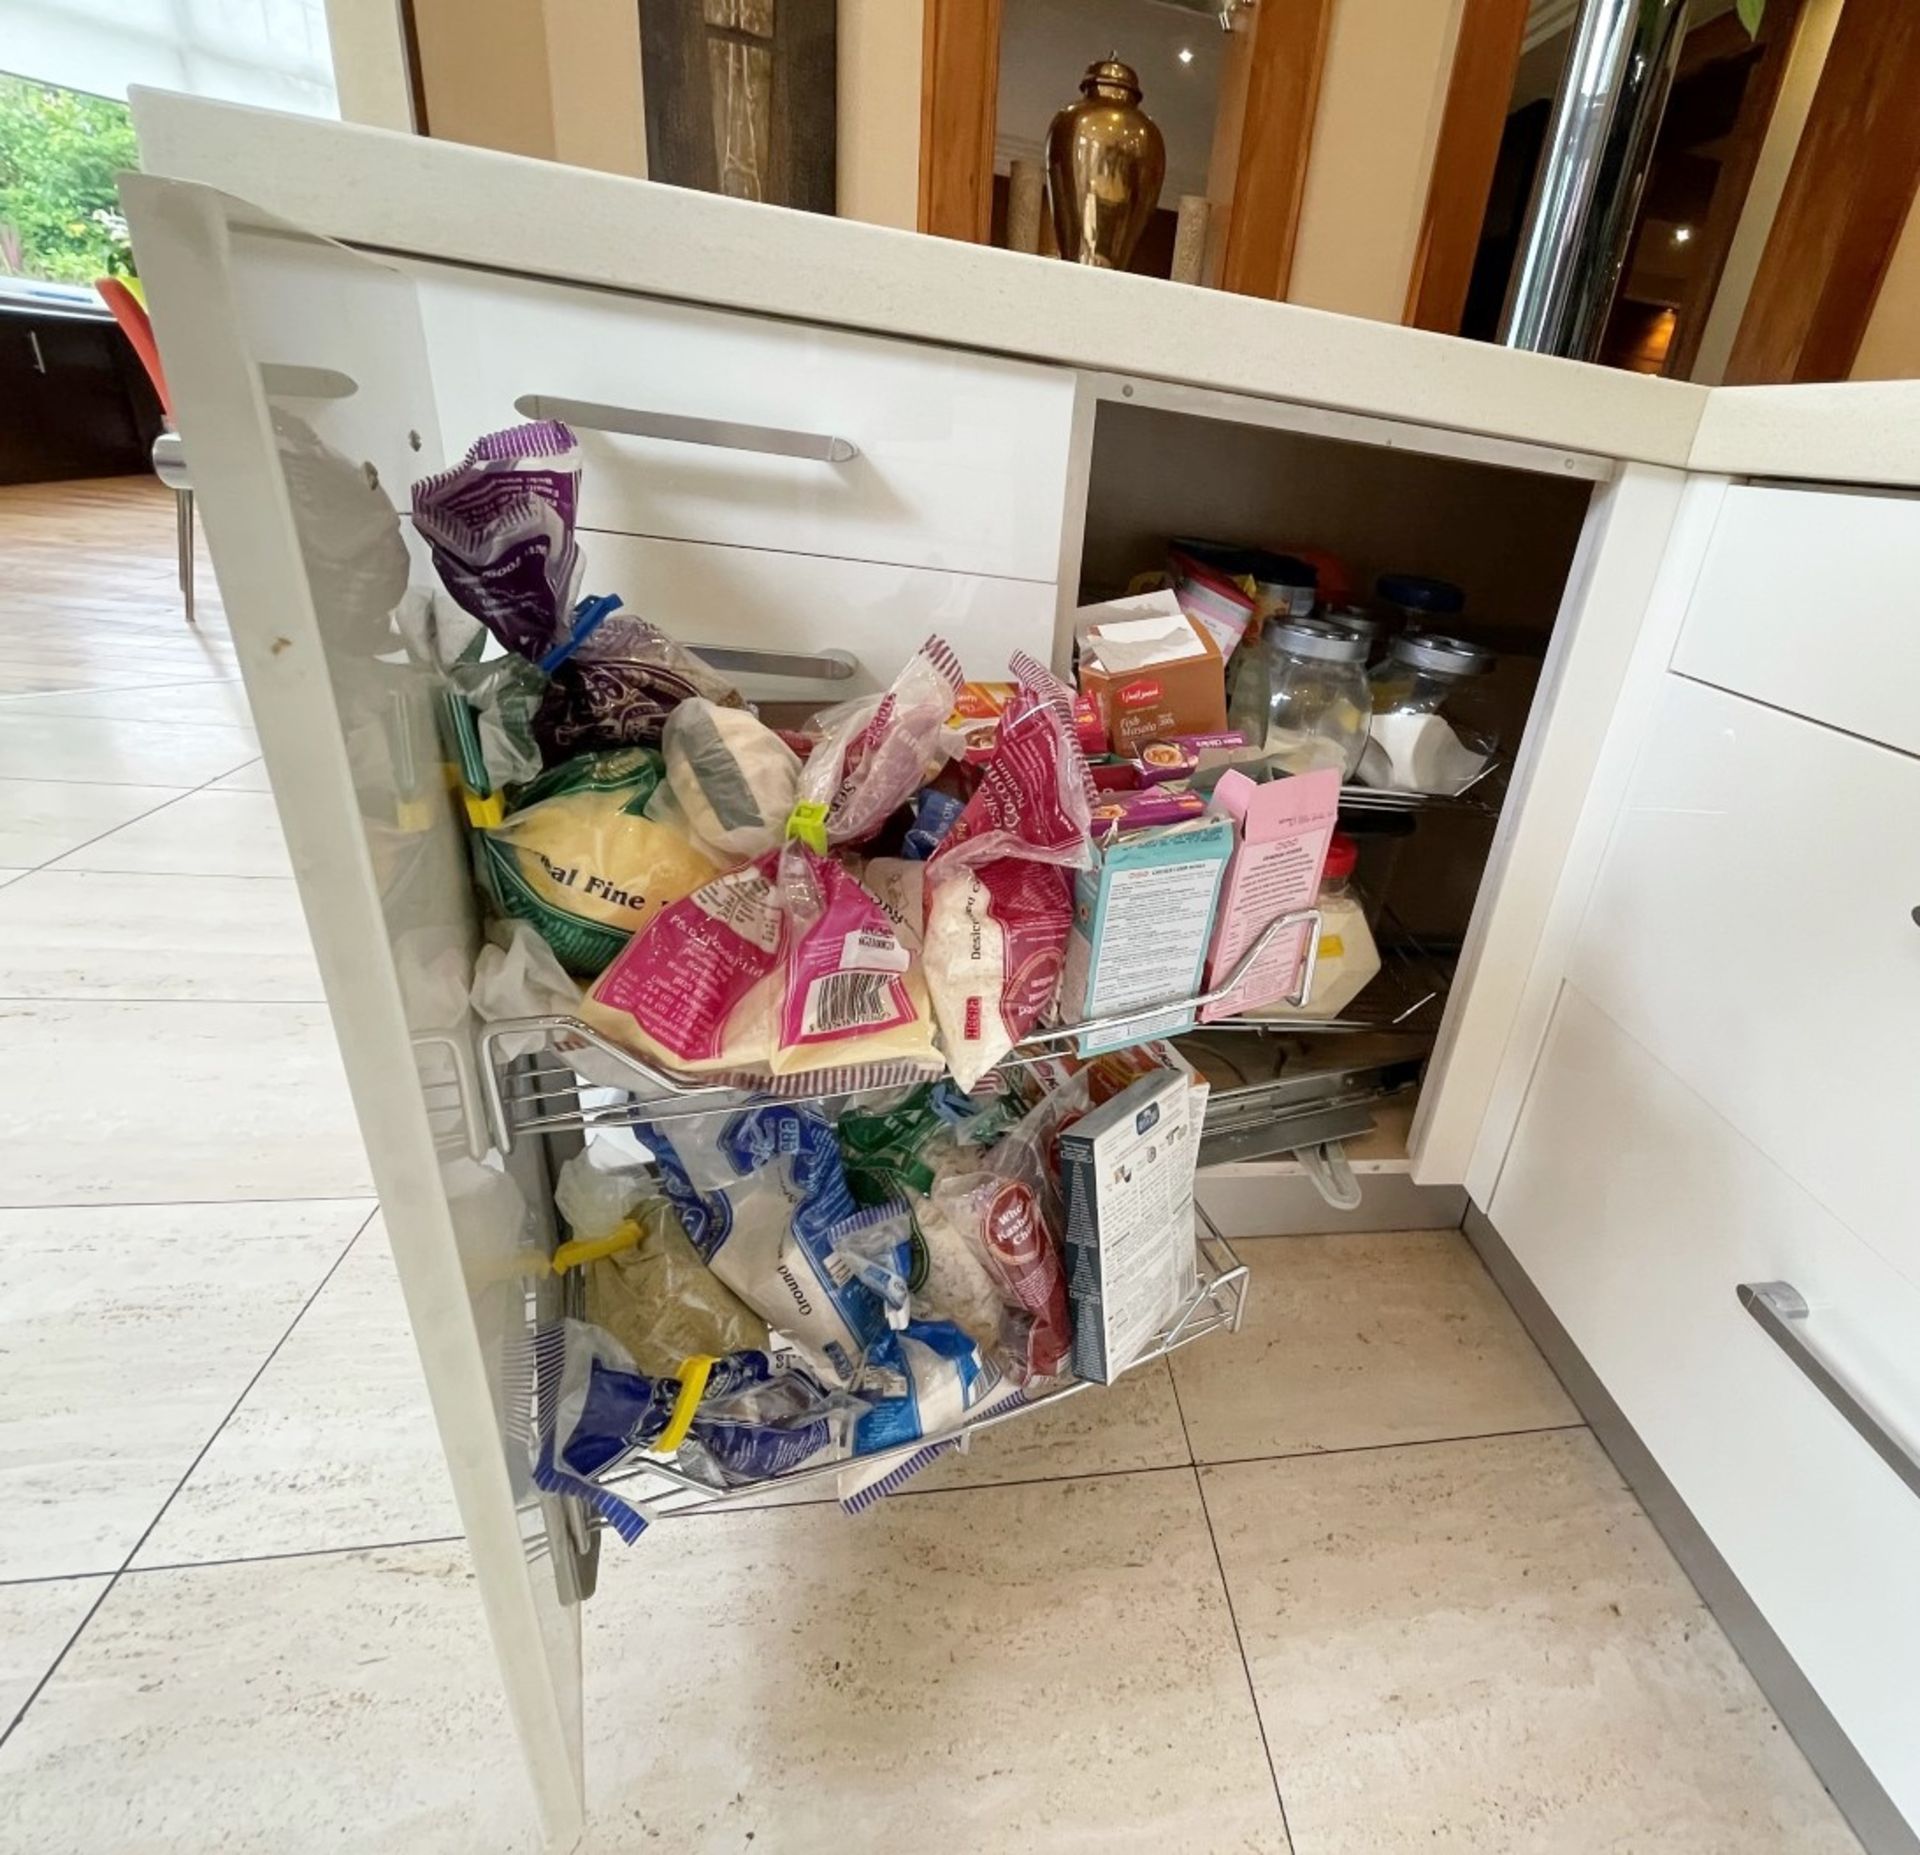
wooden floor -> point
(89, 595)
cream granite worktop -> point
(425, 198)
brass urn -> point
(1105, 163)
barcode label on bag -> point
(850, 1001)
(868, 951)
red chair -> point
(169, 464)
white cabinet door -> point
(1601, 620)
(1753, 926)
(1806, 602)
(1636, 1210)
(302, 390)
(959, 461)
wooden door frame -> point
(1270, 87)
(1486, 53)
(1847, 198)
(959, 95)
(1263, 139)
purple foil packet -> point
(1150, 805)
(1178, 756)
(619, 687)
(500, 524)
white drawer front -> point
(1636, 1211)
(1753, 927)
(798, 602)
(962, 458)
(1807, 601)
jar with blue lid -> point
(1415, 602)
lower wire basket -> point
(1218, 1304)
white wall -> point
(1383, 91)
(268, 52)
(877, 112)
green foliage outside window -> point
(59, 152)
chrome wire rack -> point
(1218, 1305)
(1485, 792)
(1408, 995)
(557, 1074)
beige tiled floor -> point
(1367, 1340)
(1483, 1646)
(1356, 1579)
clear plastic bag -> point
(761, 1193)
(1009, 1211)
(874, 753)
(734, 778)
(726, 1422)
(652, 1291)
(619, 687)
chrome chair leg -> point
(183, 508)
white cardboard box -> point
(1126, 1170)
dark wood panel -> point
(1740, 152)
(1484, 58)
(959, 95)
(77, 403)
(740, 97)
(1847, 197)
(1284, 52)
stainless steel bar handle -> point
(637, 422)
(746, 660)
(1783, 1314)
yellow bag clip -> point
(484, 814)
(583, 1250)
(808, 822)
(694, 1373)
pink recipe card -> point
(1283, 830)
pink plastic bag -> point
(694, 986)
(1000, 902)
(846, 971)
(995, 947)
(873, 754)
(731, 983)
(1035, 799)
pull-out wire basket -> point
(1218, 1304)
(557, 1074)
(1484, 793)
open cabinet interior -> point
(1507, 537)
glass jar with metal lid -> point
(1432, 727)
(1377, 626)
(1317, 698)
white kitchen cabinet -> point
(1637, 1211)
(939, 458)
(1845, 562)
(757, 599)
(1576, 1043)
(1753, 929)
